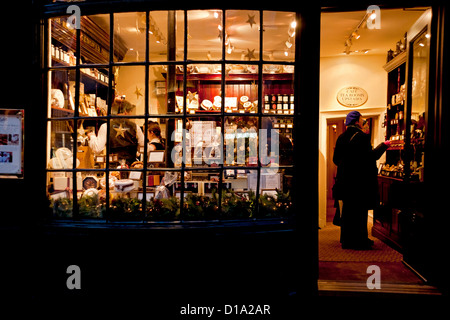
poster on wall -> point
(11, 143)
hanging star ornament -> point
(138, 92)
(251, 20)
(250, 54)
(120, 131)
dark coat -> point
(355, 158)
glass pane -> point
(241, 88)
(165, 89)
(126, 139)
(275, 199)
(203, 88)
(164, 203)
(242, 35)
(61, 101)
(93, 92)
(200, 195)
(91, 194)
(241, 141)
(129, 36)
(203, 145)
(60, 144)
(95, 40)
(63, 44)
(166, 35)
(278, 89)
(130, 90)
(419, 102)
(238, 195)
(205, 33)
(59, 194)
(276, 141)
(279, 36)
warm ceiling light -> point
(373, 15)
(428, 36)
(288, 44)
(293, 24)
(219, 27)
(216, 14)
(286, 53)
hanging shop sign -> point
(352, 97)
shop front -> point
(172, 152)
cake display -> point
(124, 185)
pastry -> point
(137, 165)
(243, 99)
(124, 185)
(247, 106)
(112, 180)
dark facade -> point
(204, 262)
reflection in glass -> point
(166, 35)
(279, 36)
(278, 145)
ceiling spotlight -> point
(216, 14)
(286, 53)
(373, 15)
(288, 44)
(293, 24)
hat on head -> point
(352, 117)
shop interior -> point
(358, 51)
(203, 120)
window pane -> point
(61, 102)
(238, 195)
(200, 195)
(63, 43)
(279, 36)
(165, 89)
(203, 142)
(275, 199)
(203, 88)
(242, 35)
(162, 203)
(241, 141)
(129, 36)
(241, 88)
(166, 35)
(278, 89)
(129, 90)
(61, 199)
(276, 140)
(95, 40)
(204, 34)
(60, 144)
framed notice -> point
(11, 143)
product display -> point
(124, 185)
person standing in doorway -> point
(356, 180)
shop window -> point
(152, 121)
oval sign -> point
(352, 97)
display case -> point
(401, 177)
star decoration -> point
(250, 54)
(120, 131)
(192, 96)
(138, 92)
(251, 20)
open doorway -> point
(354, 57)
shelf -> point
(394, 63)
